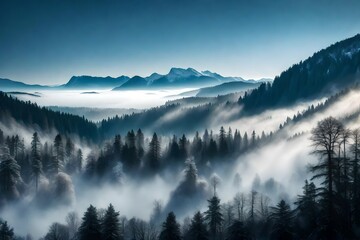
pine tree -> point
(6, 233)
(212, 149)
(117, 146)
(245, 144)
(69, 149)
(237, 231)
(111, 225)
(9, 174)
(197, 229)
(214, 217)
(170, 228)
(90, 226)
(36, 164)
(130, 154)
(307, 210)
(140, 143)
(79, 160)
(183, 151)
(58, 159)
(223, 147)
(154, 154)
(282, 218)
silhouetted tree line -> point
(31, 115)
(320, 107)
(336, 66)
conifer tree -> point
(111, 225)
(282, 218)
(58, 160)
(154, 154)
(170, 228)
(223, 147)
(36, 164)
(6, 233)
(214, 217)
(237, 231)
(140, 143)
(198, 229)
(307, 210)
(90, 226)
(9, 174)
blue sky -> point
(47, 42)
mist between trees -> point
(46, 178)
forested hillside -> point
(335, 67)
(33, 116)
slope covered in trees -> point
(335, 67)
(33, 116)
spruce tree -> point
(282, 218)
(111, 225)
(9, 174)
(36, 164)
(214, 217)
(58, 159)
(140, 143)
(154, 154)
(223, 147)
(170, 228)
(307, 210)
(198, 229)
(237, 231)
(6, 233)
(90, 226)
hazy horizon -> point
(47, 43)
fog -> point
(138, 99)
(278, 169)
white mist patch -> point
(130, 199)
(270, 120)
(105, 98)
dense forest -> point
(335, 67)
(328, 210)
(33, 116)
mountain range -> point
(323, 74)
(176, 78)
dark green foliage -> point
(90, 228)
(110, 225)
(170, 228)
